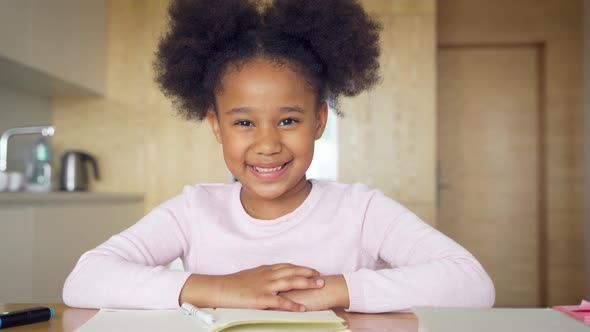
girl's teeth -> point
(268, 170)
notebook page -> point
(141, 320)
(274, 327)
(270, 320)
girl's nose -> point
(268, 141)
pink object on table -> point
(580, 312)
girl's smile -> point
(269, 172)
(267, 119)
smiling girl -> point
(262, 75)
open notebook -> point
(226, 320)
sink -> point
(14, 181)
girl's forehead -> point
(266, 112)
(260, 80)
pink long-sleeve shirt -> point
(347, 229)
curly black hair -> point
(333, 43)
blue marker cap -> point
(0, 323)
(50, 309)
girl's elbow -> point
(69, 293)
(69, 300)
(489, 294)
(484, 293)
(74, 290)
(481, 292)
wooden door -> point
(489, 164)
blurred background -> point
(480, 126)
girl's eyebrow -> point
(238, 110)
(292, 109)
(242, 110)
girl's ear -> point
(214, 123)
(321, 120)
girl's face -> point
(267, 120)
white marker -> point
(191, 310)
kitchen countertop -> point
(67, 197)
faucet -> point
(43, 130)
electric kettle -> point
(74, 170)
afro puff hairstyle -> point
(334, 44)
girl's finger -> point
(280, 266)
(281, 303)
(287, 284)
(294, 270)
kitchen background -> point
(478, 127)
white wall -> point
(19, 108)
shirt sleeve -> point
(128, 270)
(427, 267)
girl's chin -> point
(271, 191)
(265, 193)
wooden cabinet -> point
(53, 46)
(43, 236)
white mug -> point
(15, 181)
(3, 181)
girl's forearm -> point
(334, 294)
(201, 291)
(336, 291)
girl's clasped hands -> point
(279, 286)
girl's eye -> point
(243, 123)
(287, 122)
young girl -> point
(261, 74)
